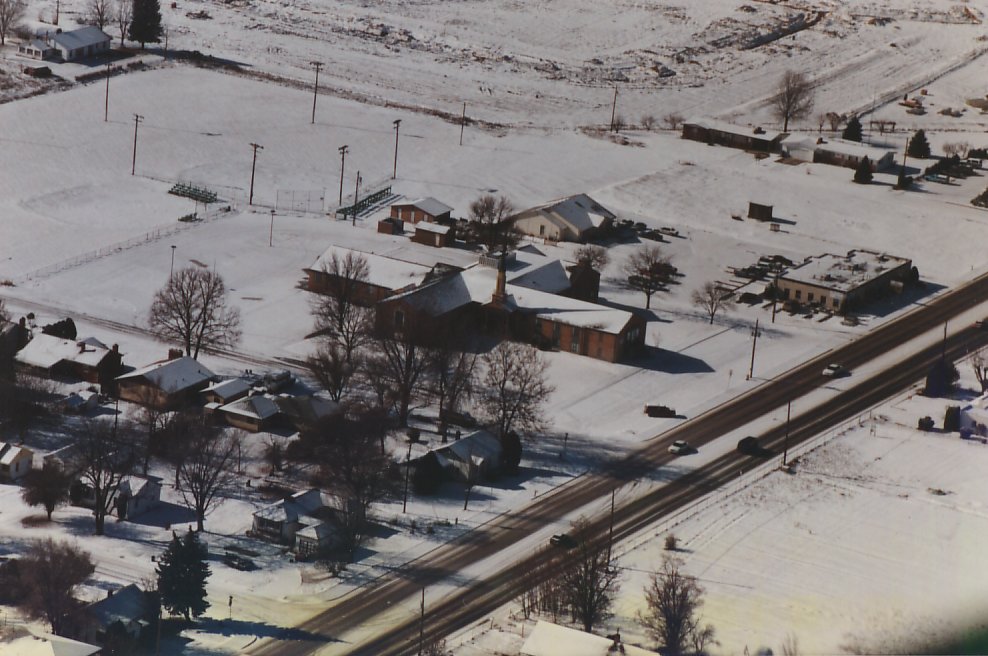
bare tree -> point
(489, 215)
(711, 298)
(192, 309)
(452, 373)
(208, 470)
(107, 455)
(648, 271)
(405, 364)
(588, 578)
(648, 122)
(11, 13)
(333, 369)
(958, 148)
(673, 120)
(50, 572)
(595, 256)
(341, 313)
(793, 99)
(515, 388)
(979, 362)
(152, 419)
(790, 645)
(352, 468)
(100, 12)
(47, 487)
(122, 16)
(672, 617)
(835, 120)
(174, 436)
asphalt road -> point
(475, 601)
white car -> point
(834, 370)
(679, 447)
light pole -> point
(394, 172)
(356, 195)
(614, 109)
(106, 102)
(271, 231)
(171, 272)
(343, 151)
(754, 340)
(133, 160)
(253, 164)
(315, 90)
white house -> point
(81, 43)
(284, 520)
(36, 49)
(548, 639)
(574, 218)
(15, 462)
(837, 152)
(471, 457)
(136, 495)
(31, 643)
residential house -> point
(37, 49)
(548, 639)
(81, 43)
(472, 457)
(837, 152)
(839, 283)
(137, 495)
(226, 391)
(432, 234)
(251, 413)
(283, 520)
(429, 210)
(385, 275)
(304, 411)
(85, 359)
(165, 385)
(81, 402)
(15, 462)
(712, 131)
(121, 610)
(574, 218)
(33, 643)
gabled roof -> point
(172, 376)
(437, 228)
(135, 485)
(9, 453)
(429, 205)
(307, 409)
(730, 128)
(548, 639)
(228, 389)
(257, 407)
(81, 38)
(46, 644)
(45, 351)
(478, 447)
(300, 504)
(579, 212)
(386, 272)
(126, 605)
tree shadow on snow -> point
(670, 362)
(165, 515)
(232, 627)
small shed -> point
(431, 234)
(15, 462)
(252, 413)
(390, 226)
(423, 209)
(759, 212)
(226, 391)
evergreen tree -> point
(862, 174)
(145, 22)
(852, 131)
(919, 146)
(182, 573)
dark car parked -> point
(749, 445)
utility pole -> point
(315, 90)
(133, 161)
(106, 102)
(343, 151)
(754, 340)
(253, 165)
(775, 296)
(271, 232)
(356, 196)
(57, 7)
(614, 109)
(785, 448)
(171, 272)
(394, 171)
(422, 623)
(610, 530)
(408, 462)
(463, 121)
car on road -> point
(680, 447)
(835, 370)
(563, 540)
(659, 411)
(749, 445)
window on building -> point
(541, 231)
(399, 319)
(809, 297)
(799, 294)
(574, 340)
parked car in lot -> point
(749, 445)
(680, 447)
(659, 411)
(834, 370)
(563, 540)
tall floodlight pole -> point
(785, 448)
(315, 90)
(253, 165)
(343, 151)
(106, 102)
(614, 110)
(133, 160)
(171, 271)
(271, 231)
(754, 340)
(394, 171)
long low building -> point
(839, 283)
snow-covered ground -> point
(81, 237)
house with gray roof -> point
(165, 385)
(574, 218)
(81, 43)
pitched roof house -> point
(473, 456)
(423, 209)
(251, 413)
(84, 359)
(81, 43)
(15, 462)
(307, 514)
(713, 131)
(165, 385)
(574, 218)
(31, 643)
(122, 609)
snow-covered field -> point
(81, 237)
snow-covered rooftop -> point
(172, 375)
(256, 407)
(46, 644)
(579, 211)
(432, 227)
(429, 205)
(382, 271)
(730, 128)
(45, 351)
(299, 505)
(548, 639)
(10, 452)
(843, 272)
(229, 388)
(81, 38)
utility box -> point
(759, 212)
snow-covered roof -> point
(432, 227)
(382, 271)
(730, 128)
(300, 504)
(580, 211)
(45, 351)
(852, 149)
(429, 205)
(570, 311)
(478, 447)
(126, 605)
(843, 273)
(320, 532)
(81, 38)
(46, 644)
(9, 453)
(229, 388)
(256, 407)
(172, 376)
(548, 639)
(134, 485)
